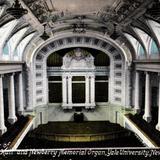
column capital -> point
(92, 76)
(20, 72)
(10, 74)
(147, 72)
(1, 75)
(64, 76)
(87, 76)
(70, 76)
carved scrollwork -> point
(78, 60)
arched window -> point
(54, 60)
(101, 59)
(13, 41)
(155, 28)
(5, 31)
(20, 49)
(6, 50)
(154, 48)
(135, 43)
(141, 51)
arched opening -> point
(105, 71)
(81, 69)
(54, 62)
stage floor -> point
(86, 127)
(86, 131)
(87, 134)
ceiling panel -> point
(79, 6)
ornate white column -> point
(12, 112)
(92, 89)
(136, 96)
(64, 89)
(158, 125)
(70, 91)
(20, 90)
(3, 128)
(87, 89)
(147, 114)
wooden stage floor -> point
(72, 135)
(86, 131)
(86, 127)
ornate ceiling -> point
(42, 9)
(121, 20)
(107, 16)
(95, 14)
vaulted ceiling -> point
(42, 8)
(70, 6)
(94, 14)
(133, 19)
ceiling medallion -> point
(44, 36)
(17, 11)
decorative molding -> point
(78, 61)
(117, 75)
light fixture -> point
(44, 36)
(17, 11)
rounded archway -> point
(90, 62)
(117, 75)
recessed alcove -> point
(81, 66)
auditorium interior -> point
(82, 73)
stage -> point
(86, 131)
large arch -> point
(29, 55)
(119, 92)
